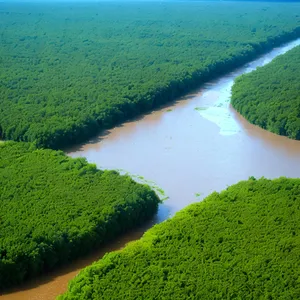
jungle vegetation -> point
(269, 96)
(54, 209)
(242, 243)
(68, 70)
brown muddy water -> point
(196, 145)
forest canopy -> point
(54, 209)
(70, 70)
(270, 96)
(242, 243)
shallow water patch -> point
(140, 179)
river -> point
(189, 148)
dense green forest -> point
(269, 96)
(242, 243)
(70, 70)
(54, 209)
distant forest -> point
(270, 96)
(71, 70)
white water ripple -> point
(218, 112)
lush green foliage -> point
(269, 96)
(54, 208)
(242, 243)
(70, 70)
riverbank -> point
(269, 96)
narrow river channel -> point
(190, 148)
